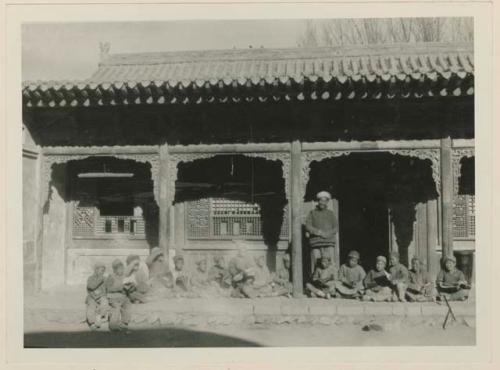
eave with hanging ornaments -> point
(265, 76)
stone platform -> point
(66, 306)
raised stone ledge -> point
(226, 311)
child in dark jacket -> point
(378, 286)
(96, 301)
(323, 280)
(351, 275)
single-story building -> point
(198, 152)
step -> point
(69, 308)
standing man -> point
(322, 227)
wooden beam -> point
(447, 195)
(376, 145)
(463, 143)
(164, 202)
(230, 148)
(100, 150)
(296, 207)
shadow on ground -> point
(164, 337)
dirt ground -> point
(78, 336)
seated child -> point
(282, 277)
(377, 283)
(398, 277)
(161, 281)
(219, 276)
(199, 282)
(139, 286)
(199, 278)
(244, 288)
(351, 275)
(264, 282)
(242, 271)
(323, 280)
(420, 286)
(97, 304)
(451, 282)
(182, 284)
(117, 297)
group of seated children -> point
(380, 285)
(245, 277)
(139, 282)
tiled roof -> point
(238, 75)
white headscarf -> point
(324, 194)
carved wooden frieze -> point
(431, 154)
(175, 158)
(434, 155)
(173, 161)
(316, 156)
(50, 160)
(285, 159)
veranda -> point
(197, 152)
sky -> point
(70, 51)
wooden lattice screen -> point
(88, 223)
(464, 219)
(221, 218)
(464, 207)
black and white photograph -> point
(249, 183)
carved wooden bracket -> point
(458, 154)
(431, 154)
(316, 156)
(50, 160)
(434, 155)
(175, 158)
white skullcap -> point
(323, 194)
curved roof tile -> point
(222, 69)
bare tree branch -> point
(337, 32)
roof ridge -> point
(221, 55)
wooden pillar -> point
(164, 201)
(420, 237)
(41, 199)
(336, 257)
(432, 237)
(179, 226)
(54, 231)
(447, 196)
(296, 207)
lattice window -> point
(88, 223)
(471, 215)
(464, 217)
(198, 218)
(120, 225)
(84, 221)
(235, 218)
(221, 218)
